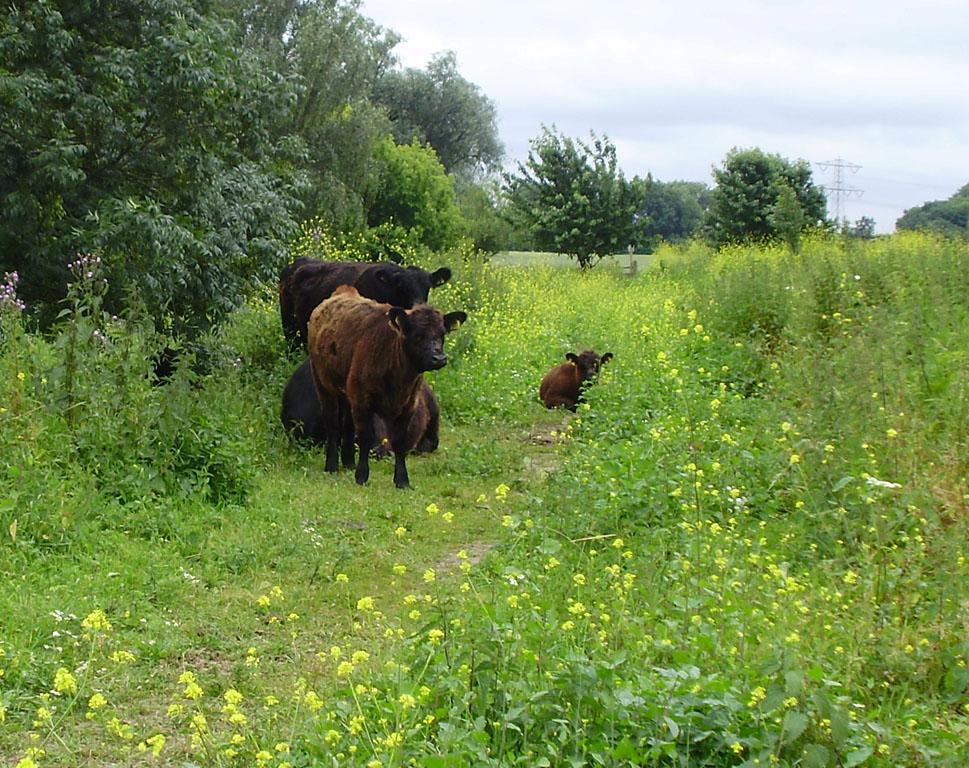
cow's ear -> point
(572, 357)
(440, 277)
(605, 358)
(453, 319)
(398, 319)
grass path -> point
(255, 596)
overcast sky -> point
(675, 85)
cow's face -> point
(588, 363)
(386, 283)
(423, 329)
(391, 284)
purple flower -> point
(8, 293)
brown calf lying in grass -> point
(564, 383)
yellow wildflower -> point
(64, 681)
(96, 620)
(96, 701)
(157, 743)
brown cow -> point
(564, 383)
(368, 360)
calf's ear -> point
(397, 318)
(605, 358)
(440, 277)
(453, 319)
(572, 357)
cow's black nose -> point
(438, 361)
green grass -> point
(747, 549)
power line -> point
(839, 187)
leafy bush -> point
(411, 191)
(96, 420)
(151, 140)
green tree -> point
(140, 130)
(787, 217)
(573, 198)
(336, 56)
(411, 190)
(480, 204)
(863, 228)
(747, 188)
(673, 210)
(946, 217)
(441, 108)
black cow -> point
(306, 282)
(301, 414)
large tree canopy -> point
(573, 198)
(182, 139)
(440, 108)
(335, 56)
(947, 217)
(748, 186)
(138, 129)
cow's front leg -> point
(347, 438)
(363, 421)
(398, 441)
(331, 419)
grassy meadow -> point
(748, 548)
